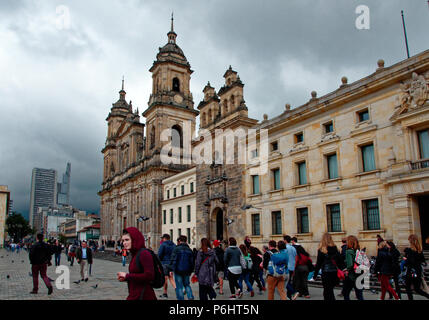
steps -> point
(109, 255)
(374, 283)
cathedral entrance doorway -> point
(218, 214)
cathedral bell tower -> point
(171, 104)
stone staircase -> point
(374, 283)
(109, 255)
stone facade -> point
(4, 208)
(133, 170)
(377, 119)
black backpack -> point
(159, 279)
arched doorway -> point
(218, 215)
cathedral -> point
(133, 168)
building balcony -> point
(421, 164)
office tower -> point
(63, 188)
(43, 192)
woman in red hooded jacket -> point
(139, 287)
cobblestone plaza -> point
(19, 283)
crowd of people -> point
(284, 266)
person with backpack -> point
(396, 256)
(384, 269)
(277, 271)
(141, 270)
(302, 269)
(234, 263)
(220, 264)
(205, 270)
(182, 265)
(164, 254)
(351, 275)
(40, 255)
(291, 251)
(414, 259)
(329, 261)
(72, 254)
(268, 251)
(245, 275)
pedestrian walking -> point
(268, 251)
(302, 261)
(291, 251)
(57, 251)
(124, 253)
(205, 270)
(245, 274)
(234, 263)
(384, 269)
(40, 254)
(72, 253)
(414, 272)
(396, 257)
(277, 271)
(141, 273)
(343, 256)
(220, 264)
(328, 261)
(84, 258)
(164, 253)
(256, 272)
(182, 265)
(351, 275)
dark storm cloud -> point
(57, 86)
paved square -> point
(20, 283)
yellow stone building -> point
(352, 162)
(4, 209)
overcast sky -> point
(57, 84)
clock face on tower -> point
(178, 98)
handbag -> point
(340, 273)
(194, 277)
(424, 286)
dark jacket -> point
(384, 262)
(414, 261)
(256, 262)
(165, 251)
(57, 248)
(220, 264)
(40, 253)
(139, 279)
(88, 255)
(325, 261)
(396, 257)
(182, 260)
(267, 258)
(205, 267)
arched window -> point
(210, 116)
(232, 99)
(176, 85)
(225, 106)
(176, 137)
(203, 119)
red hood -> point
(137, 240)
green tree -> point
(17, 227)
(62, 238)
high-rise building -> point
(63, 188)
(4, 205)
(43, 192)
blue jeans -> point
(182, 281)
(261, 277)
(245, 275)
(57, 259)
(124, 260)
